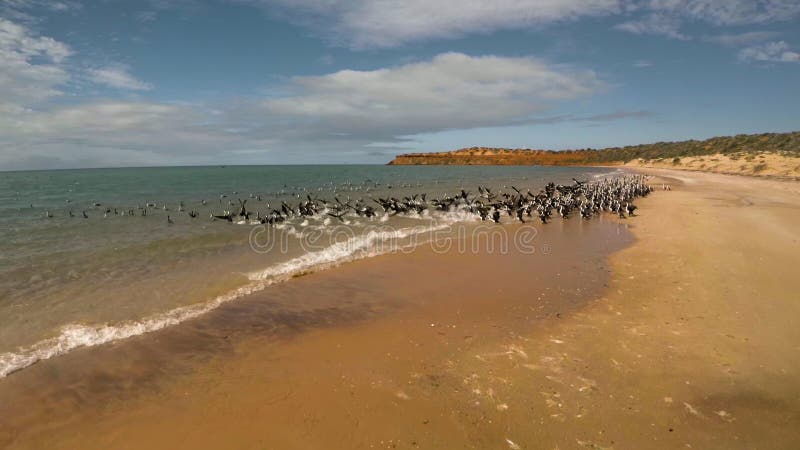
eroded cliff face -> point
(495, 156)
(742, 146)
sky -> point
(112, 83)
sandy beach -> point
(685, 338)
(399, 224)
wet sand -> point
(685, 339)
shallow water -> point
(68, 282)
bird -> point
(587, 198)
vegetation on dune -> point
(740, 146)
(743, 144)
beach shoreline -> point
(687, 341)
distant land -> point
(767, 154)
(730, 147)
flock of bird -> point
(587, 199)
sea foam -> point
(73, 336)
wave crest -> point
(73, 336)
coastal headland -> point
(775, 155)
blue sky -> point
(181, 82)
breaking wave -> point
(73, 336)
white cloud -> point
(452, 90)
(112, 133)
(321, 117)
(363, 24)
(117, 76)
(147, 16)
(778, 51)
(17, 39)
(100, 117)
(30, 66)
(748, 38)
(24, 10)
(667, 17)
(730, 12)
(655, 24)
(390, 23)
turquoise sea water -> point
(69, 281)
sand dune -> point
(768, 165)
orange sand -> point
(694, 343)
(769, 165)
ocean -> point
(69, 281)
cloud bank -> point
(346, 109)
(390, 23)
(452, 90)
(362, 24)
